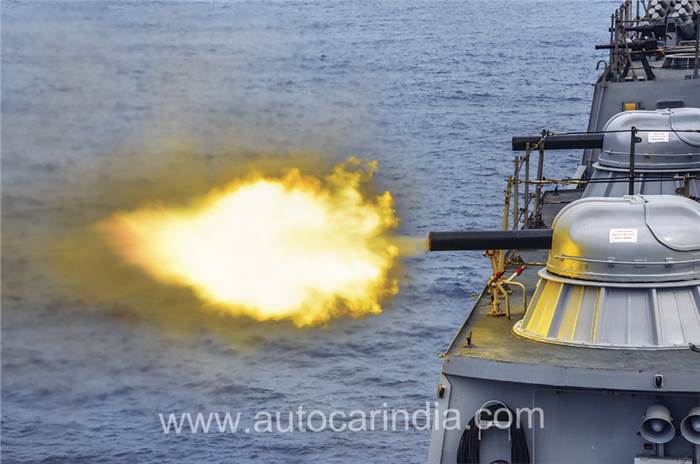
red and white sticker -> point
(658, 137)
(623, 235)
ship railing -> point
(522, 208)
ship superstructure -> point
(590, 321)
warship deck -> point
(486, 344)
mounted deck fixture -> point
(657, 426)
(690, 426)
(621, 273)
(666, 156)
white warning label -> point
(623, 235)
(658, 137)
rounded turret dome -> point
(621, 273)
(628, 239)
(665, 143)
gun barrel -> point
(529, 239)
(561, 142)
(636, 45)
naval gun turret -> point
(621, 272)
(666, 154)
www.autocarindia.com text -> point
(386, 419)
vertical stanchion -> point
(634, 140)
(526, 193)
(697, 46)
(516, 191)
(506, 216)
(506, 205)
(540, 176)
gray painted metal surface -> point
(580, 426)
(614, 183)
(566, 312)
(621, 273)
(666, 161)
(627, 239)
(661, 147)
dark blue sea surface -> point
(432, 90)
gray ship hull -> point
(591, 400)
